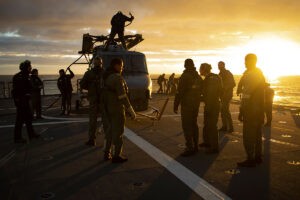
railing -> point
(50, 87)
(5, 89)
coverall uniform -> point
(117, 27)
(64, 84)
(253, 112)
(228, 85)
(212, 90)
(37, 85)
(21, 93)
(188, 96)
(116, 102)
(93, 82)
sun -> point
(276, 56)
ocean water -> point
(287, 88)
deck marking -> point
(179, 115)
(197, 184)
(65, 118)
(281, 142)
(48, 123)
(284, 129)
(7, 157)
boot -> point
(211, 151)
(223, 128)
(34, 136)
(20, 141)
(230, 130)
(187, 152)
(107, 156)
(204, 145)
(247, 163)
(119, 159)
(258, 160)
(90, 142)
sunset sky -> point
(49, 32)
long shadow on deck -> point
(170, 187)
(254, 183)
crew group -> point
(107, 95)
(216, 91)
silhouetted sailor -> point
(253, 87)
(188, 97)
(21, 93)
(36, 98)
(228, 85)
(116, 102)
(117, 27)
(160, 81)
(64, 85)
(171, 87)
(93, 82)
(212, 91)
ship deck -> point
(60, 166)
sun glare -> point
(276, 56)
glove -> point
(131, 113)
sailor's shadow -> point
(72, 184)
(255, 179)
(296, 117)
(62, 158)
(166, 183)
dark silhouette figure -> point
(64, 85)
(93, 82)
(21, 93)
(36, 98)
(116, 102)
(269, 96)
(212, 91)
(239, 92)
(228, 85)
(253, 87)
(160, 81)
(171, 87)
(117, 27)
(188, 97)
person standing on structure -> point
(117, 27)
(253, 111)
(64, 85)
(116, 102)
(188, 97)
(228, 85)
